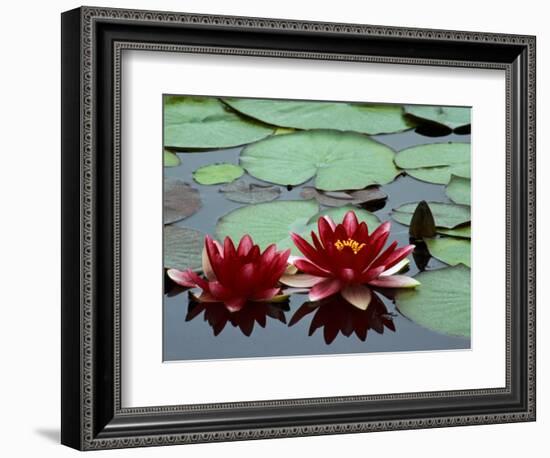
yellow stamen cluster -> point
(350, 243)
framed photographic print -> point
(278, 228)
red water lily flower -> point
(235, 275)
(345, 258)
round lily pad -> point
(180, 200)
(342, 198)
(458, 190)
(171, 159)
(217, 173)
(436, 162)
(445, 215)
(464, 232)
(272, 222)
(358, 117)
(182, 248)
(205, 122)
(441, 302)
(450, 250)
(451, 117)
(337, 160)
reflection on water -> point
(217, 315)
(334, 314)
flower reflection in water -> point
(334, 314)
(217, 315)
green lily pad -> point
(182, 248)
(452, 117)
(436, 162)
(337, 160)
(458, 190)
(342, 198)
(441, 302)
(450, 250)
(358, 117)
(205, 122)
(171, 159)
(180, 200)
(272, 222)
(464, 232)
(217, 173)
(447, 216)
(250, 193)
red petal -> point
(207, 266)
(398, 255)
(265, 294)
(308, 251)
(245, 245)
(326, 230)
(324, 289)
(372, 273)
(219, 291)
(350, 223)
(309, 268)
(229, 251)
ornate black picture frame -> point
(92, 42)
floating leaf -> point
(272, 222)
(171, 159)
(422, 222)
(250, 193)
(458, 190)
(358, 117)
(337, 160)
(446, 215)
(450, 250)
(461, 231)
(182, 248)
(441, 302)
(452, 117)
(205, 122)
(341, 198)
(436, 162)
(217, 173)
(180, 200)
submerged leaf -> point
(358, 117)
(445, 215)
(422, 222)
(250, 193)
(180, 200)
(182, 248)
(337, 160)
(339, 199)
(217, 173)
(436, 162)
(205, 122)
(450, 250)
(458, 190)
(441, 302)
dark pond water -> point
(386, 330)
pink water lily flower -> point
(345, 258)
(235, 276)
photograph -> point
(309, 228)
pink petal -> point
(185, 278)
(301, 280)
(398, 255)
(207, 297)
(395, 281)
(292, 259)
(324, 289)
(396, 268)
(207, 266)
(357, 295)
(372, 273)
(330, 222)
(219, 291)
(236, 304)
